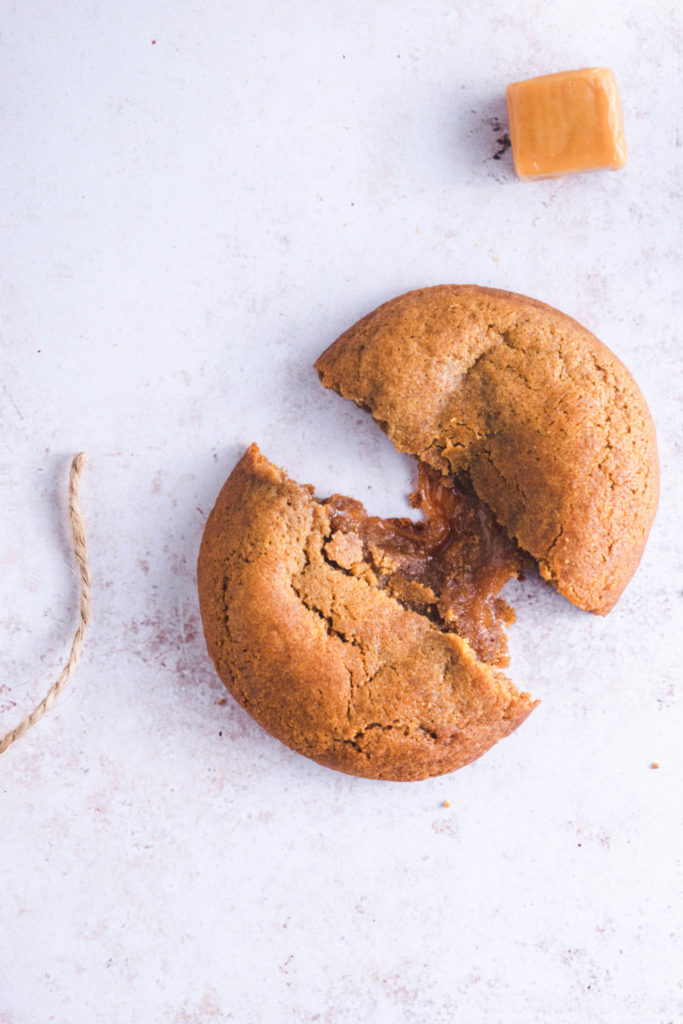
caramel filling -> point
(451, 566)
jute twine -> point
(81, 560)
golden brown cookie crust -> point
(548, 423)
(334, 667)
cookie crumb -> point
(222, 701)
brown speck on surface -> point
(222, 701)
(504, 144)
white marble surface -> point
(197, 198)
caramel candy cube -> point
(567, 122)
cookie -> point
(342, 634)
(545, 422)
(377, 646)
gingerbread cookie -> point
(337, 633)
(549, 426)
(376, 646)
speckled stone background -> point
(197, 198)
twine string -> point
(80, 554)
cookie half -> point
(547, 424)
(337, 632)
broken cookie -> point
(337, 631)
(549, 426)
(376, 646)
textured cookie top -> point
(549, 425)
(309, 637)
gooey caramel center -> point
(450, 566)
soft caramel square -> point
(567, 122)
